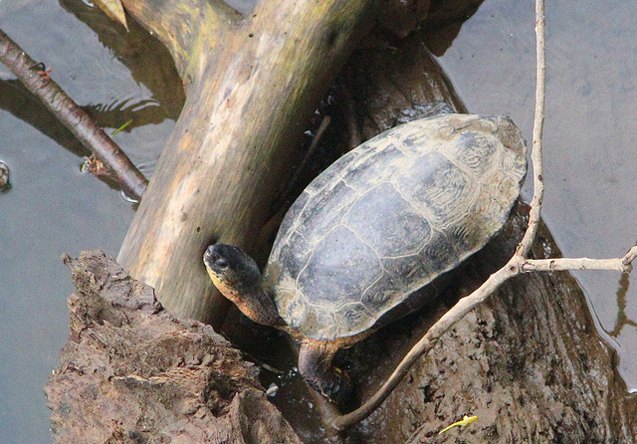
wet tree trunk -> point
(252, 85)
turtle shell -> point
(389, 217)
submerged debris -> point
(5, 185)
(272, 389)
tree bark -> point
(130, 372)
(251, 91)
(528, 363)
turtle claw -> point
(315, 365)
(338, 389)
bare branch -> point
(72, 116)
(304, 162)
(630, 256)
(538, 128)
(622, 264)
(582, 263)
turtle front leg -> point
(315, 365)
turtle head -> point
(232, 271)
(236, 275)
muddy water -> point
(53, 208)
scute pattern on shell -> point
(389, 217)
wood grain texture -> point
(180, 24)
(253, 90)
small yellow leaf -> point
(113, 9)
(466, 420)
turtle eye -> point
(221, 263)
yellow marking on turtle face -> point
(226, 290)
(233, 295)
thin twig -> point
(622, 264)
(281, 203)
(630, 256)
(582, 263)
(538, 128)
(38, 82)
(424, 345)
(325, 122)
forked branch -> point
(36, 79)
(518, 264)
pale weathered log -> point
(192, 30)
(253, 90)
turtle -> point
(382, 222)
